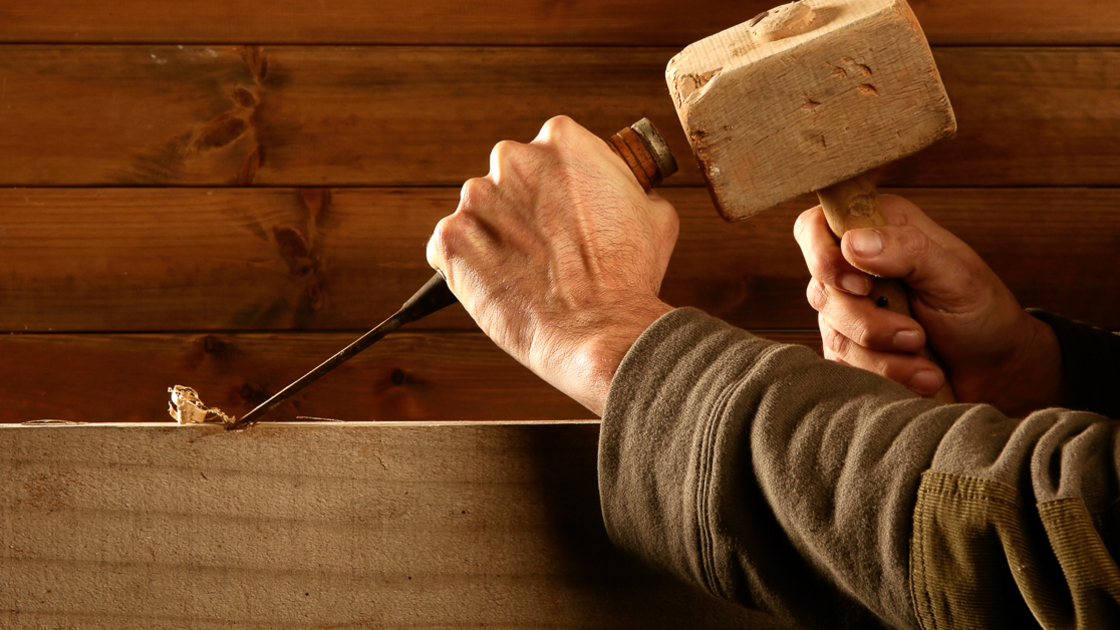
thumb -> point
(943, 279)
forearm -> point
(772, 478)
(746, 449)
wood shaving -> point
(187, 408)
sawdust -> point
(187, 408)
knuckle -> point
(673, 227)
(476, 193)
(812, 258)
(557, 125)
(802, 223)
(512, 161)
(913, 241)
(439, 245)
(859, 333)
(879, 366)
(826, 266)
(504, 152)
(816, 295)
(476, 197)
(836, 342)
(856, 326)
(889, 367)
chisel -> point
(640, 145)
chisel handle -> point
(640, 145)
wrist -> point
(589, 367)
(1033, 376)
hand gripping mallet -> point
(810, 96)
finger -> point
(437, 250)
(912, 371)
(558, 129)
(860, 320)
(568, 135)
(902, 211)
(941, 268)
(908, 253)
(561, 134)
(508, 169)
(833, 344)
(823, 255)
(467, 231)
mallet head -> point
(807, 95)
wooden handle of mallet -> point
(855, 204)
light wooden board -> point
(610, 22)
(315, 116)
(406, 376)
(131, 260)
(285, 527)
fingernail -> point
(925, 382)
(855, 284)
(908, 341)
(867, 242)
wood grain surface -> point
(409, 116)
(595, 22)
(301, 527)
(406, 376)
(130, 260)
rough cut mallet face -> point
(840, 88)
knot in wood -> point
(398, 377)
(862, 206)
(212, 344)
(253, 394)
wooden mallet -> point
(810, 96)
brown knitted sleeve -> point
(770, 477)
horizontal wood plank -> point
(1026, 117)
(131, 260)
(299, 527)
(397, 116)
(406, 376)
(581, 22)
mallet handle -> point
(855, 204)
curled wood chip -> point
(187, 408)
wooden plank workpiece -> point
(291, 526)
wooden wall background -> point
(221, 194)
